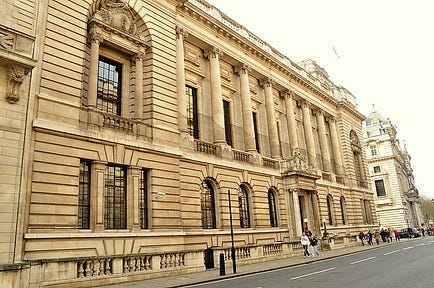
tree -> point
(427, 208)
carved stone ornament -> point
(15, 78)
(296, 163)
(117, 14)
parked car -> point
(409, 233)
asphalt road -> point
(406, 264)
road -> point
(406, 264)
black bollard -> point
(222, 265)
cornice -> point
(290, 69)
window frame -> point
(83, 206)
(144, 199)
(207, 206)
(243, 208)
(383, 187)
(228, 123)
(115, 219)
(104, 104)
(272, 208)
(192, 111)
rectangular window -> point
(192, 112)
(228, 124)
(373, 150)
(255, 128)
(84, 196)
(109, 86)
(143, 205)
(379, 187)
(377, 169)
(115, 198)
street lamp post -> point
(325, 229)
(234, 263)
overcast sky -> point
(381, 51)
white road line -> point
(406, 248)
(363, 260)
(391, 252)
(313, 273)
(421, 244)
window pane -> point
(244, 208)
(379, 187)
(143, 205)
(207, 206)
(228, 123)
(192, 112)
(109, 86)
(115, 198)
(272, 209)
(84, 196)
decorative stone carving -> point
(242, 69)
(213, 52)
(296, 163)
(7, 41)
(181, 33)
(15, 78)
(117, 14)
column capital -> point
(95, 36)
(213, 52)
(305, 104)
(243, 69)
(266, 82)
(139, 56)
(319, 112)
(181, 33)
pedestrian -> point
(305, 243)
(377, 237)
(390, 235)
(314, 245)
(362, 237)
(369, 237)
(397, 236)
(423, 232)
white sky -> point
(386, 56)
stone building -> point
(136, 130)
(396, 197)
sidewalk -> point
(214, 274)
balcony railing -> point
(241, 155)
(205, 147)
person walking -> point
(305, 243)
(314, 245)
(377, 237)
(397, 237)
(362, 237)
(369, 237)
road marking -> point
(313, 273)
(391, 252)
(406, 248)
(363, 260)
(421, 244)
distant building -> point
(128, 129)
(396, 197)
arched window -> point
(342, 201)
(207, 205)
(272, 208)
(243, 204)
(330, 209)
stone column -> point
(218, 120)
(181, 34)
(272, 127)
(325, 154)
(336, 147)
(97, 195)
(292, 124)
(310, 142)
(133, 190)
(297, 217)
(246, 102)
(138, 95)
(316, 215)
(95, 39)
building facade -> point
(396, 197)
(146, 129)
